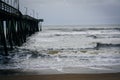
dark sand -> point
(112, 76)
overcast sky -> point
(74, 12)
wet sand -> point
(52, 74)
(112, 76)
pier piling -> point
(3, 38)
(17, 27)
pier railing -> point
(6, 7)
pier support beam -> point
(9, 33)
(3, 38)
(40, 24)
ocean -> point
(95, 47)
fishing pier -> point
(15, 27)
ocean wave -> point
(103, 45)
(81, 28)
(72, 49)
(98, 36)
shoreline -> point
(57, 71)
(107, 76)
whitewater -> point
(94, 48)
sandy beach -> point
(115, 76)
(52, 74)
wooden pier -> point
(15, 27)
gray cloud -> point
(75, 11)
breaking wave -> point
(66, 47)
